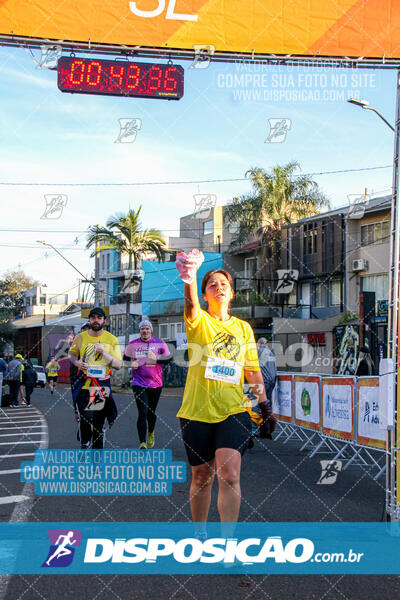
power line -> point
(192, 182)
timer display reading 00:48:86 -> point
(117, 78)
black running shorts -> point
(203, 439)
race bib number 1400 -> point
(221, 369)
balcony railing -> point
(164, 307)
(269, 311)
(124, 298)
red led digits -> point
(132, 80)
(116, 74)
(155, 75)
(170, 83)
(113, 78)
(93, 73)
(77, 72)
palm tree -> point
(124, 233)
(278, 198)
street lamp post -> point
(66, 260)
(393, 402)
(364, 104)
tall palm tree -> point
(278, 198)
(124, 233)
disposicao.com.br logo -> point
(173, 548)
(191, 550)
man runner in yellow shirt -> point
(94, 352)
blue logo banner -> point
(174, 548)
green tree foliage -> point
(278, 197)
(13, 284)
(124, 233)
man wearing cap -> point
(148, 354)
(14, 378)
(94, 352)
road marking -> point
(14, 416)
(22, 509)
(14, 455)
(13, 434)
(20, 421)
(9, 443)
(11, 499)
(17, 427)
(9, 471)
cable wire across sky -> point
(139, 183)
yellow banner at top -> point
(342, 28)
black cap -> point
(365, 349)
(97, 311)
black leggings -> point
(146, 402)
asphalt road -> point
(279, 483)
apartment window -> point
(375, 233)
(33, 300)
(310, 239)
(163, 331)
(234, 228)
(320, 299)
(168, 331)
(103, 263)
(207, 227)
(378, 284)
(28, 301)
(108, 261)
(42, 299)
(250, 267)
(335, 292)
(174, 329)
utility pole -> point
(393, 435)
(97, 270)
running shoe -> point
(150, 440)
(23, 403)
(143, 446)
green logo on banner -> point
(305, 402)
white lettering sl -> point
(171, 14)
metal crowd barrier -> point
(332, 414)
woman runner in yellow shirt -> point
(215, 425)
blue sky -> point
(217, 131)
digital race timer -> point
(117, 78)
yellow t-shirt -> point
(205, 399)
(83, 347)
(52, 368)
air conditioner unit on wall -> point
(360, 265)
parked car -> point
(41, 380)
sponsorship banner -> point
(282, 398)
(307, 401)
(172, 548)
(369, 431)
(338, 407)
(341, 28)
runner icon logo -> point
(278, 129)
(62, 547)
(330, 470)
